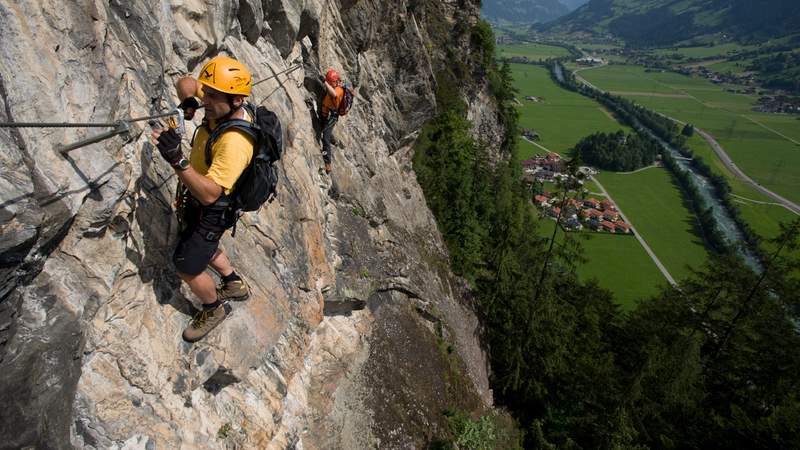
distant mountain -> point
(573, 4)
(659, 22)
(525, 11)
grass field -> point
(730, 66)
(617, 262)
(706, 52)
(621, 265)
(531, 51)
(562, 119)
(760, 144)
(654, 204)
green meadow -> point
(760, 144)
(617, 262)
(654, 204)
(706, 51)
(620, 264)
(531, 51)
(562, 118)
(738, 67)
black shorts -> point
(200, 240)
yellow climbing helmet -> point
(226, 74)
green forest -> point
(618, 152)
(713, 363)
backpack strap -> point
(238, 124)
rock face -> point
(356, 336)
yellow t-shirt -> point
(230, 155)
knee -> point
(217, 254)
(187, 278)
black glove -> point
(189, 105)
(169, 145)
(321, 79)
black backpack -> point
(346, 103)
(259, 181)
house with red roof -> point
(595, 213)
(608, 226)
(528, 165)
(540, 200)
(591, 203)
(606, 204)
(611, 216)
(622, 227)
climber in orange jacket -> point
(334, 95)
(223, 86)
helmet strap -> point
(232, 111)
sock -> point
(212, 305)
(231, 277)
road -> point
(584, 80)
(722, 155)
(786, 203)
(639, 237)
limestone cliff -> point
(357, 335)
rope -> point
(81, 124)
(54, 125)
(290, 69)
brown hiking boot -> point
(204, 321)
(236, 290)
(327, 168)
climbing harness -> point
(120, 127)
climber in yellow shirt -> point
(222, 87)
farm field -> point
(706, 52)
(654, 204)
(617, 262)
(531, 51)
(620, 265)
(562, 119)
(760, 144)
(730, 66)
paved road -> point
(788, 204)
(584, 80)
(639, 237)
(540, 146)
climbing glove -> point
(189, 105)
(169, 145)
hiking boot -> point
(236, 290)
(204, 321)
(327, 168)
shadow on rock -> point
(153, 254)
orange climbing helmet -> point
(332, 76)
(226, 74)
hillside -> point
(524, 11)
(661, 22)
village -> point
(573, 214)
